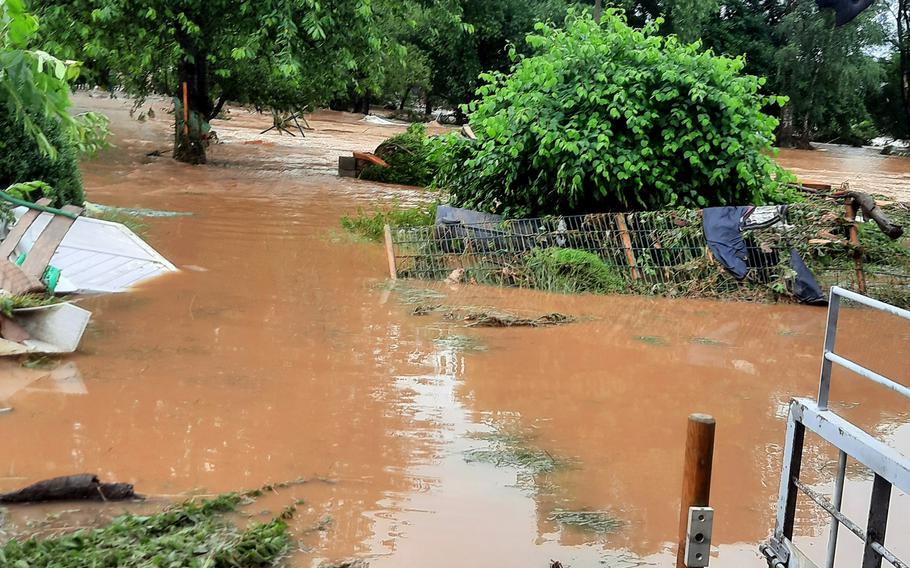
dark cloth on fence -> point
(723, 228)
(724, 234)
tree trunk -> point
(785, 131)
(903, 41)
(189, 138)
(404, 98)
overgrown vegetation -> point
(22, 160)
(191, 534)
(410, 158)
(604, 117)
(572, 271)
(599, 522)
(370, 224)
(40, 140)
(10, 303)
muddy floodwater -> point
(280, 352)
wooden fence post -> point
(626, 243)
(854, 242)
(390, 253)
(696, 486)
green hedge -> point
(21, 160)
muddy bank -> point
(279, 352)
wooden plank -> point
(16, 282)
(371, 158)
(15, 235)
(390, 253)
(43, 251)
(627, 243)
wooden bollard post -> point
(696, 486)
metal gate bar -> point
(891, 468)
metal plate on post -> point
(698, 536)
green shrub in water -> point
(571, 271)
(189, 534)
(22, 160)
(370, 224)
(604, 117)
(409, 156)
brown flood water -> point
(279, 352)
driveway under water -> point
(279, 352)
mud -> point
(279, 353)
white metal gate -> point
(891, 468)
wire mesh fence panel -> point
(661, 252)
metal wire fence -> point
(654, 252)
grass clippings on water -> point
(460, 344)
(599, 522)
(517, 450)
(192, 534)
(651, 340)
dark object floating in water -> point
(846, 10)
(80, 487)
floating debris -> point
(96, 210)
(599, 522)
(707, 341)
(651, 340)
(515, 449)
(460, 343)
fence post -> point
(854, 242)
(696, 486)
(627, 243)
(390, 252)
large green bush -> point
(607, 117)
(22, 159)
(410, 158)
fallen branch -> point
(80, 487)
(872, 211)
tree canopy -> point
(280, 53)
(604, 117)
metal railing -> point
(891, 468)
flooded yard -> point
(281, 352)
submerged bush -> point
(370, 224)
(605, 117)
(409, 157)
(571, 271)
(22, 159)
(188, 534)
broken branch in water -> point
(80, 487)
(871, 210)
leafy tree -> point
(826, 72)
(480, 43)
(606, 117)
(274, 52)
(35, 85)
(39, 139)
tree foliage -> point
(606, 117)
(35, 86)
(280, 53)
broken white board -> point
(98, 256)
(57, 328)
